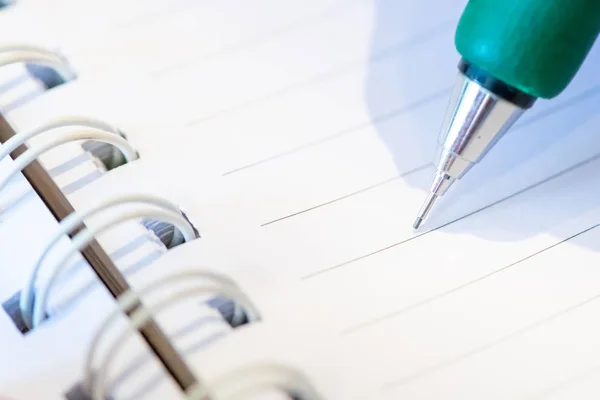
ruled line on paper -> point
(294, 26)
(570, 102)
(534, 185)
(578, 98)
(414, 306)
(333, 73)
(379, 184)
(456, 359)
(356, 128)
(585, 95)
(570, 382)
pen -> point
(512, 53)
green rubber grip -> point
(536, 46)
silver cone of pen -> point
(475, 119)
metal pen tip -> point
(417, 223)
(427, 206)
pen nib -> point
(417, 223)
(425, 210)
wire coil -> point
(210, 283)
(33, 312)
(29, 54)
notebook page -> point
(340, 230)
(141, 94)
(518, 367)
(381, 291)
(148, 38)
(328, 369)
(108, 30)
(377, 166)
(397, 302)
(259, 76)
(218, 250)
(338, 251)
(104, 15)
(348, 248)
(61, 18)
(21, 22)
(552, 179)
(20, 376)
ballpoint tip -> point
(424, 211)
(417, 223)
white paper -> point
(302, 155)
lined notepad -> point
(298, 137)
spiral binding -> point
(236, 384)
(33, 313)
(88, 124)
(40, 62)
(100, 262)
(208, 283)
(160, 216)
(92, 129)
(91, 134)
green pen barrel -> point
(535, 46)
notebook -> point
(296, 139)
